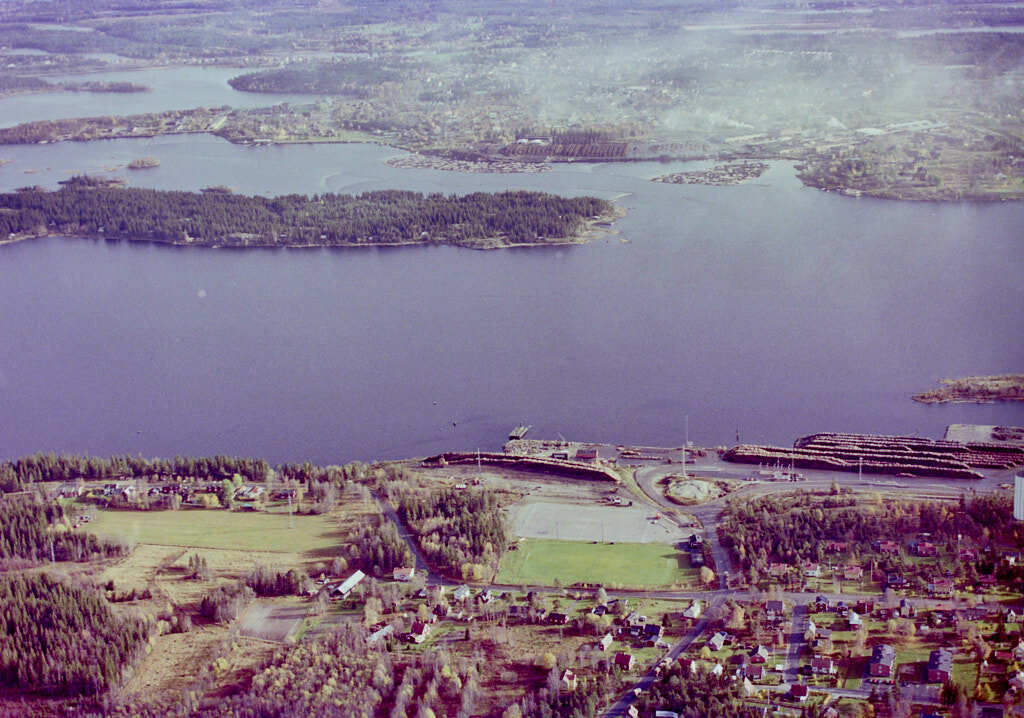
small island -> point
(719, 175)
(143, 163)
(976, 389)
(99, 208)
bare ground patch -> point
(537, 518)
(273, 620)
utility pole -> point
(686, 442)
(291, 524)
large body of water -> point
(767, 308)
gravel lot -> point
(271, 622)
(534, 518)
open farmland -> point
(590, 522)
(246, 531)
(543, 562)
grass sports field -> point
(542, 561)
(222, 529)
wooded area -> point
(83, 207)
(60, 640)
(35, 531)
(462, 532)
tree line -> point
(35, 531)
(462, 532)
(61, 640)
(16, 475)
(216, 218)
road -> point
(796, 643)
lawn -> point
(545, 561)
(244, 530)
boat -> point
(519, 432)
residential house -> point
(854, 620)
(1018, 651)
(404, 573)
(968, 554)
(889, 547)
(717, 669)
(568, 680)
(798, 692)
(907, 609)
(693, 611)
(940, 665)
(853, 573)
(895, 581)
(717, 641)
(811, 569)
(778, 570)
(754, 671)
(605, 642)
(624, 661)
(760, 654)
(835, 546)
(823, 665)
(688, 665)
(665, 714)
(419, 632)
(881, 662)
(821, 604)
(652, 633)
(748, 688)
(559, 619)
(865, 606)
(941, 587)
(1016, 682)
(485, 596)
(926, 549)
(461, 593)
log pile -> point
(875, 454)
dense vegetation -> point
(16, 475)
(214, 218)
(380, 550)
(696, 696)
(35, 531)
(60, 640)
(354, 78)
(462, 532)
(225, 603)
(792, 528)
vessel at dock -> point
(519, 432)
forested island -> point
(984, 389)
(89, 207)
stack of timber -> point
(875, 454)
(561, 467)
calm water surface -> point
(767, 308)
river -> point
(767, 308)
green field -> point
(243, 530)
(543, 561)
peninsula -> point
(91, 207)
(980, 389)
